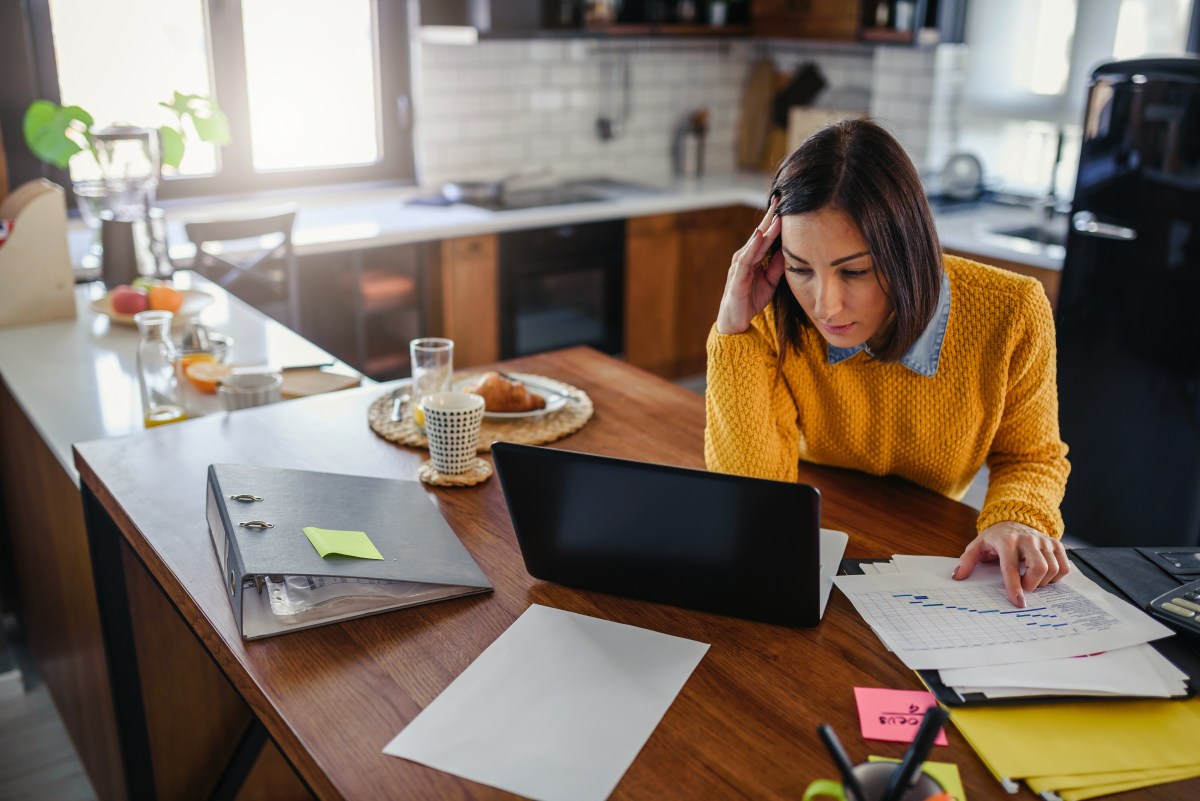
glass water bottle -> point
(162, 397)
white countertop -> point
(76, 379)
(337, 221)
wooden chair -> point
(253, 258)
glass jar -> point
(162, 397)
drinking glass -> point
(432, 364)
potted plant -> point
(56, 134)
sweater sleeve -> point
(751, 418)
(1028, 459)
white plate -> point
(193, 301)
(553, 402)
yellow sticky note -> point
(344, 543)
(944, 773)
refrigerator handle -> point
(1085, 222)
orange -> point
(205, 374)
(165, 298)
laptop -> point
(744, 547)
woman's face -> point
(833, 277)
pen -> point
(916, 754)
(834, 746)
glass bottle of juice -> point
(162, 397)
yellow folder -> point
(1084, 738)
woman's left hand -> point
(1012, 544)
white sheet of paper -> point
(934, 622)
(1139, 670)
(555, 709)
(833, 547)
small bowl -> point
(243, 390)
(218, 350)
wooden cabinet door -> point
(805, 19)
(653, 248)
(708, 241)
(676, 266)
(470, 298)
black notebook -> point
(278, 582)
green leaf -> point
(172, 146)
(55, 133)
(210, 122)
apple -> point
(125, 299)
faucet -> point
(1048, 203)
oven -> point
(562, 286)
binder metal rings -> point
(259, 524)
(244, 497)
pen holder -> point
(874, 776)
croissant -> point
(501, 395)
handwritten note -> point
(893, 715)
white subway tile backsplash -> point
(547, 100)
(503, 105)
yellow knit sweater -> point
(994, 397)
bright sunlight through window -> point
(119, 63)
(310, 74)
(1051, 56)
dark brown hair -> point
(858, 168)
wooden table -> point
(744, 725)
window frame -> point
(227, 69)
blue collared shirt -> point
(922, 358)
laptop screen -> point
(728, 544)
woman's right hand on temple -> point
(752, 278)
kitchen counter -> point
(77, 379)
(353, 219)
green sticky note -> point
(344, 543)
(944, 773)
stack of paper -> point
(1073, 638)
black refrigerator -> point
(1129, 310)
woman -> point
(877, 352)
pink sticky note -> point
(893, 715)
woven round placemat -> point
(537, 430)
(478, 473)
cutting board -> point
(314, 381)
(804, 121)
(755, 123)
(35, 265)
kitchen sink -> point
(1042, 235)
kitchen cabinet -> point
(836, 20)
(468, 288)
(675, 270)
(912, 22)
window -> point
(1029, 66)
(315, 91)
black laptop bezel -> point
(782, 587)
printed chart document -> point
(556, 708)
(933, 622)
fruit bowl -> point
(193, 302)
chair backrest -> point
(230, 266)
(200, 233)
